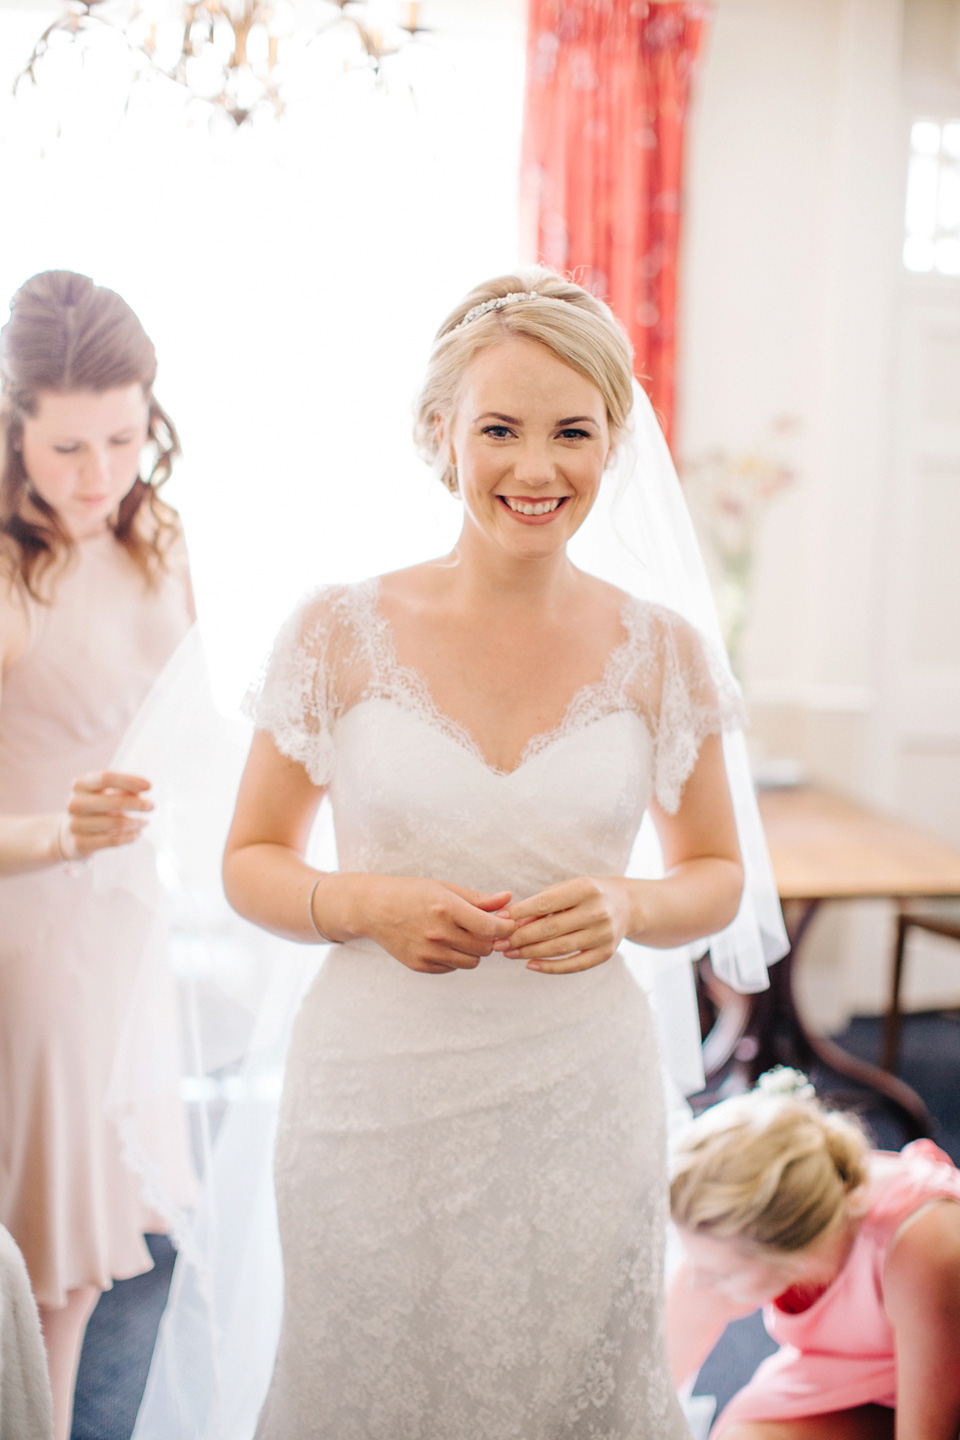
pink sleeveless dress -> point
(67, 949)
(839, 1353)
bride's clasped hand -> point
(574, 925)
(428, 925)
(437, 927)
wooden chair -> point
(939, 917)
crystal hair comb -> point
(497, 303)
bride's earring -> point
(450, 479)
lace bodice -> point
(336, 653)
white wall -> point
(792, 256)
(793, 305)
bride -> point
(470, 1157)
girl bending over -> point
(853, 1253)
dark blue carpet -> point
(117, 1350)
(121, 1334)
(929, 1062)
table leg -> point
(775, 1034)
(891, 1032)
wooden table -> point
(825, 846)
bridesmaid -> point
(94, 598)
(853, 1253)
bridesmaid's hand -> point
(104, 809)
(427, 925)
(572, 926)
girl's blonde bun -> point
(768, 1170)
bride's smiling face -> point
(530, 440)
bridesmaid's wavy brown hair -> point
(67, 334)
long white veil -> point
(236, 990)
(214, 1001)
(640, 537)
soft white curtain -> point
(291, 281)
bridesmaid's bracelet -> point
(78, 863)
(313, 919)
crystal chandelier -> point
(243, 57)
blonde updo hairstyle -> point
(768, 1171)
(577, 327)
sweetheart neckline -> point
(550, 737)
(417, 686)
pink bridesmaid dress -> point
(67, 948)
(839, 1352)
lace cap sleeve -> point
(689, 694)
(297, 695)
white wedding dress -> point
(470, 1167)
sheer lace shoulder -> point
(321, 664)
(674, 678)
(336, 649)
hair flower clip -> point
(782, 1080)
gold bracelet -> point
(313, 919)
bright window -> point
(291, 280)
(932, 240)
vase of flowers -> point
(728, 493)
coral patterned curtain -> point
(608, 85)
